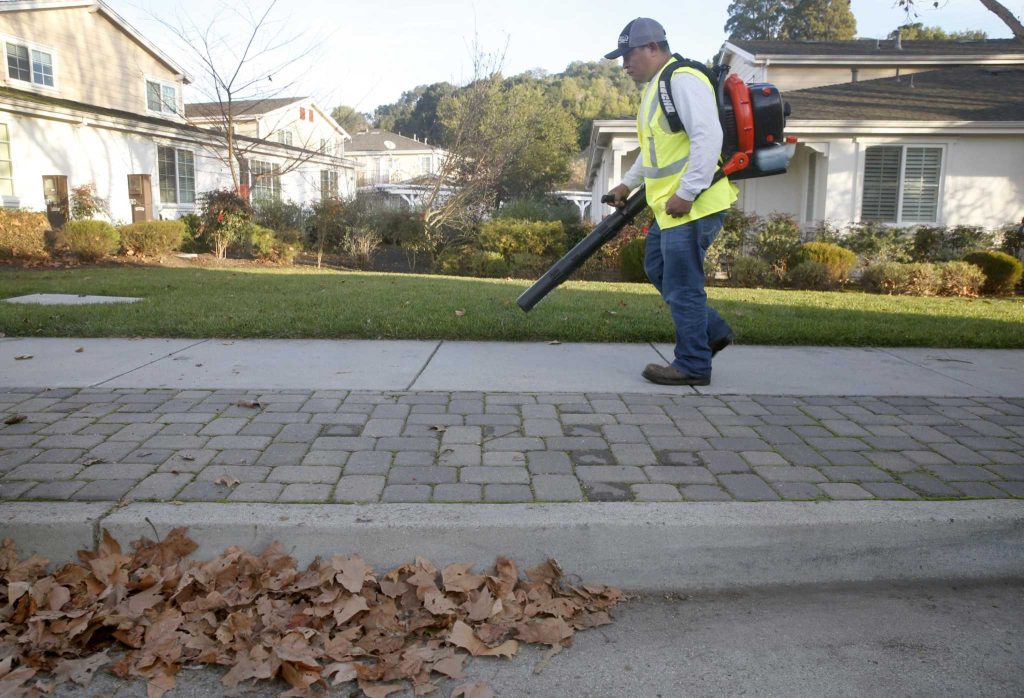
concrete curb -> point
(643, 547)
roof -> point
(377, 140)
(886, 47)
(970, 93)
(118, 20)
(253, 108)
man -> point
(677, 169)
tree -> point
(916, 31)
(820, 20)
(241, 65)
(999, 9)
(350, 119)
(758, 19)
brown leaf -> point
(79, 350)
(352, 572)
(79, 670)
(250, 404)
(379, 690)
(15, 419)
(23, 357)
(226, 480)
(355, 605)
(473, 690)
(549, 631)
(452, 667)
(458, 578)
(462, 636)
(460, 313)
(340, 672)
(483, 606)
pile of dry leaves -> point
(261, 616)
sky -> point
(364, 54)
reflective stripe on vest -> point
(664, 157)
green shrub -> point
(751, 272)
(777, 239)
(875, 243)
(264, 244)
(526, 264)
(359, 244)
(1002, 272)
(960, 279)
(826, 231)
(465, 260)
(88, 240)
(811, 275)
(837, 260)
(282, 216)
(86, 203)
(23, 234)
(941, 244)
(193, 240)
(152, 238)
(225, 216)
(736, 236)
(631, 261)
(895, 278)
(540, 209)
(508, 236)
(1013, 240)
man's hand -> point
(677, 207)
(619, 195)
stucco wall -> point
(95, 62)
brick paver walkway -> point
(339, 446)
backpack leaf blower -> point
(753, 118)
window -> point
(284, 136)
(161, 97)
(6, 174)
(325, 146)
(328, 183)
(177, 170)
(264, 180)
(29, 63)
(901, 184)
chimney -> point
(899, 39)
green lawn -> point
(320, 304)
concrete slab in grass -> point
(987, 371)
(57, 363)
(69, 299)
(55, 530)
(640, 546)
(536, 367)
(287, 364)
(810, 371)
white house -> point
(86, 99)
(896, 132)
(391, 158)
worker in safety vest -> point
(689, 211)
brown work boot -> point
(670, 375)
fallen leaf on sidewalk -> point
(79, 350)
(554, 342)
(473, 690)
(251, 404)
(93, 461)
(23, 357)
(15, 419)
(226, 480)
(438, 428)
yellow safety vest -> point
(665, 157)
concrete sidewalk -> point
(526, 449)
(498, 367)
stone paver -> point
(366, 446)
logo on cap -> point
(624, 39)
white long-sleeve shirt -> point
(696, 106)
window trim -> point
(903, 145)
(162, 83)
(177, 203)
(333, 187)
(10, 158)
(275, 171)
(6, 39)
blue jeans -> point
(674, 263)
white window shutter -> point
(921, 185)
(881, 183)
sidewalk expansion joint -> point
(149, 363)
(425, 364)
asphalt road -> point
(964, 640)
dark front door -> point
(55, 190)
(140, 195)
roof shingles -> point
(873, 47)
(969, 93)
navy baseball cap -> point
(640, 32)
